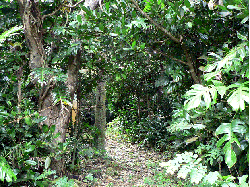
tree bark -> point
(57, 114)
(32, 22)
(100, 114)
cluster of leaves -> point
(217, 106)
(225, 89)
(25, 143)
(132, 54)
(189, 166)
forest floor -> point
(131, 165)
(127, 165)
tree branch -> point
(173, 58)
(178, 60)
(179, 41)
(73, 6)
(62, 5)
(156, 24)
(51, 14)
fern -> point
(5, 171)
(9, 32)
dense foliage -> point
(177, 78)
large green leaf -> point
(239, 96)
(197, 93)
(230, 156)
(228, 129)
(31, 162)
(228, 60)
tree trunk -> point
(100, 114)
(100, 111)
(57, 114)
(32, 22)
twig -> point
(156, 24)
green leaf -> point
(107, 6)
(113, 34)
(52, 128)
(30, 148)
(210, 67)
(9, 32)
(192, 103)
(245, 20)
(142, 46)
(232, 7)
(231, 60)
(228, 129)
(187, 3)
(242, 181)
(47, 162)
(123, 76)
(198, 92)
(240, 36)
(222, 140)
(45, 128)
(55, 59)
(189, 24)
(28, 121)
(224, 128)
(30, 162)
(133, 44)
(57, 135)
(239, 97)
(128, 49)
(79, 18)
(238, 128)
(221, 90)
(117, 77)
(230, 156)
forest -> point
(124, 93)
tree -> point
(100, 108)
(56, 112)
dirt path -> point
(130, 165)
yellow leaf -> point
(190, 140)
